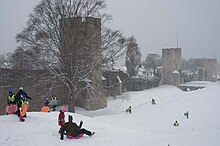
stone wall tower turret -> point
(81, 48)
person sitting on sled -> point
(11, 98)
(71, 129)
(153, 101)
(176, 123)
(128, 110)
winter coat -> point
(20, 103)
(18, 95)
(70, 128)
(61, 119)
(11, 99)
(46, 102)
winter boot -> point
(92, 134)
(21, 119)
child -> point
(20, 104)
(61, 118)
(176, 123)
(128, 110)
(153, 101)
(187, 115)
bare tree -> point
(152, 61)
(43, 36)
(5, 61)
(113, 47)
(133, 57)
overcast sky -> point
(154, 23)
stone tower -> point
(171, 66)
(81, 46)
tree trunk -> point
(71, 104)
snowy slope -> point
(146, 125)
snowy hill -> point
(147, 124)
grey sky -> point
(154, 23)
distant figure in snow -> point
(153, 101)
(53, 102)
(71, 129)
(11, 98)
(128, 110)
(176, 123)
(54, 97)
(46, 102)
(187, 115)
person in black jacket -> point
(21, 93)
(72, 129)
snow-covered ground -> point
(147, 125)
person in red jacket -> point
(61, 118)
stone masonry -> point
(171, 66)
(81, 38)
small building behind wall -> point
(207, 68)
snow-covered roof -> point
(175, 72)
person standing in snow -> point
(54, 97)
(54, 102)
(73, 130)
(61, 118)
(11, 98)
(21, 93)
(46, 102)
(21, 102)
(187, 115)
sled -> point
(75, 137)
(45, 109)
(11, 109)
(24, 109)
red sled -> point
(75, 137)
(11, 109)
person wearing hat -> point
(20, 104)
(11, 98)
(21, 93)
(176, 123)
(46, 102)
(61, 118)
(73, 130)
